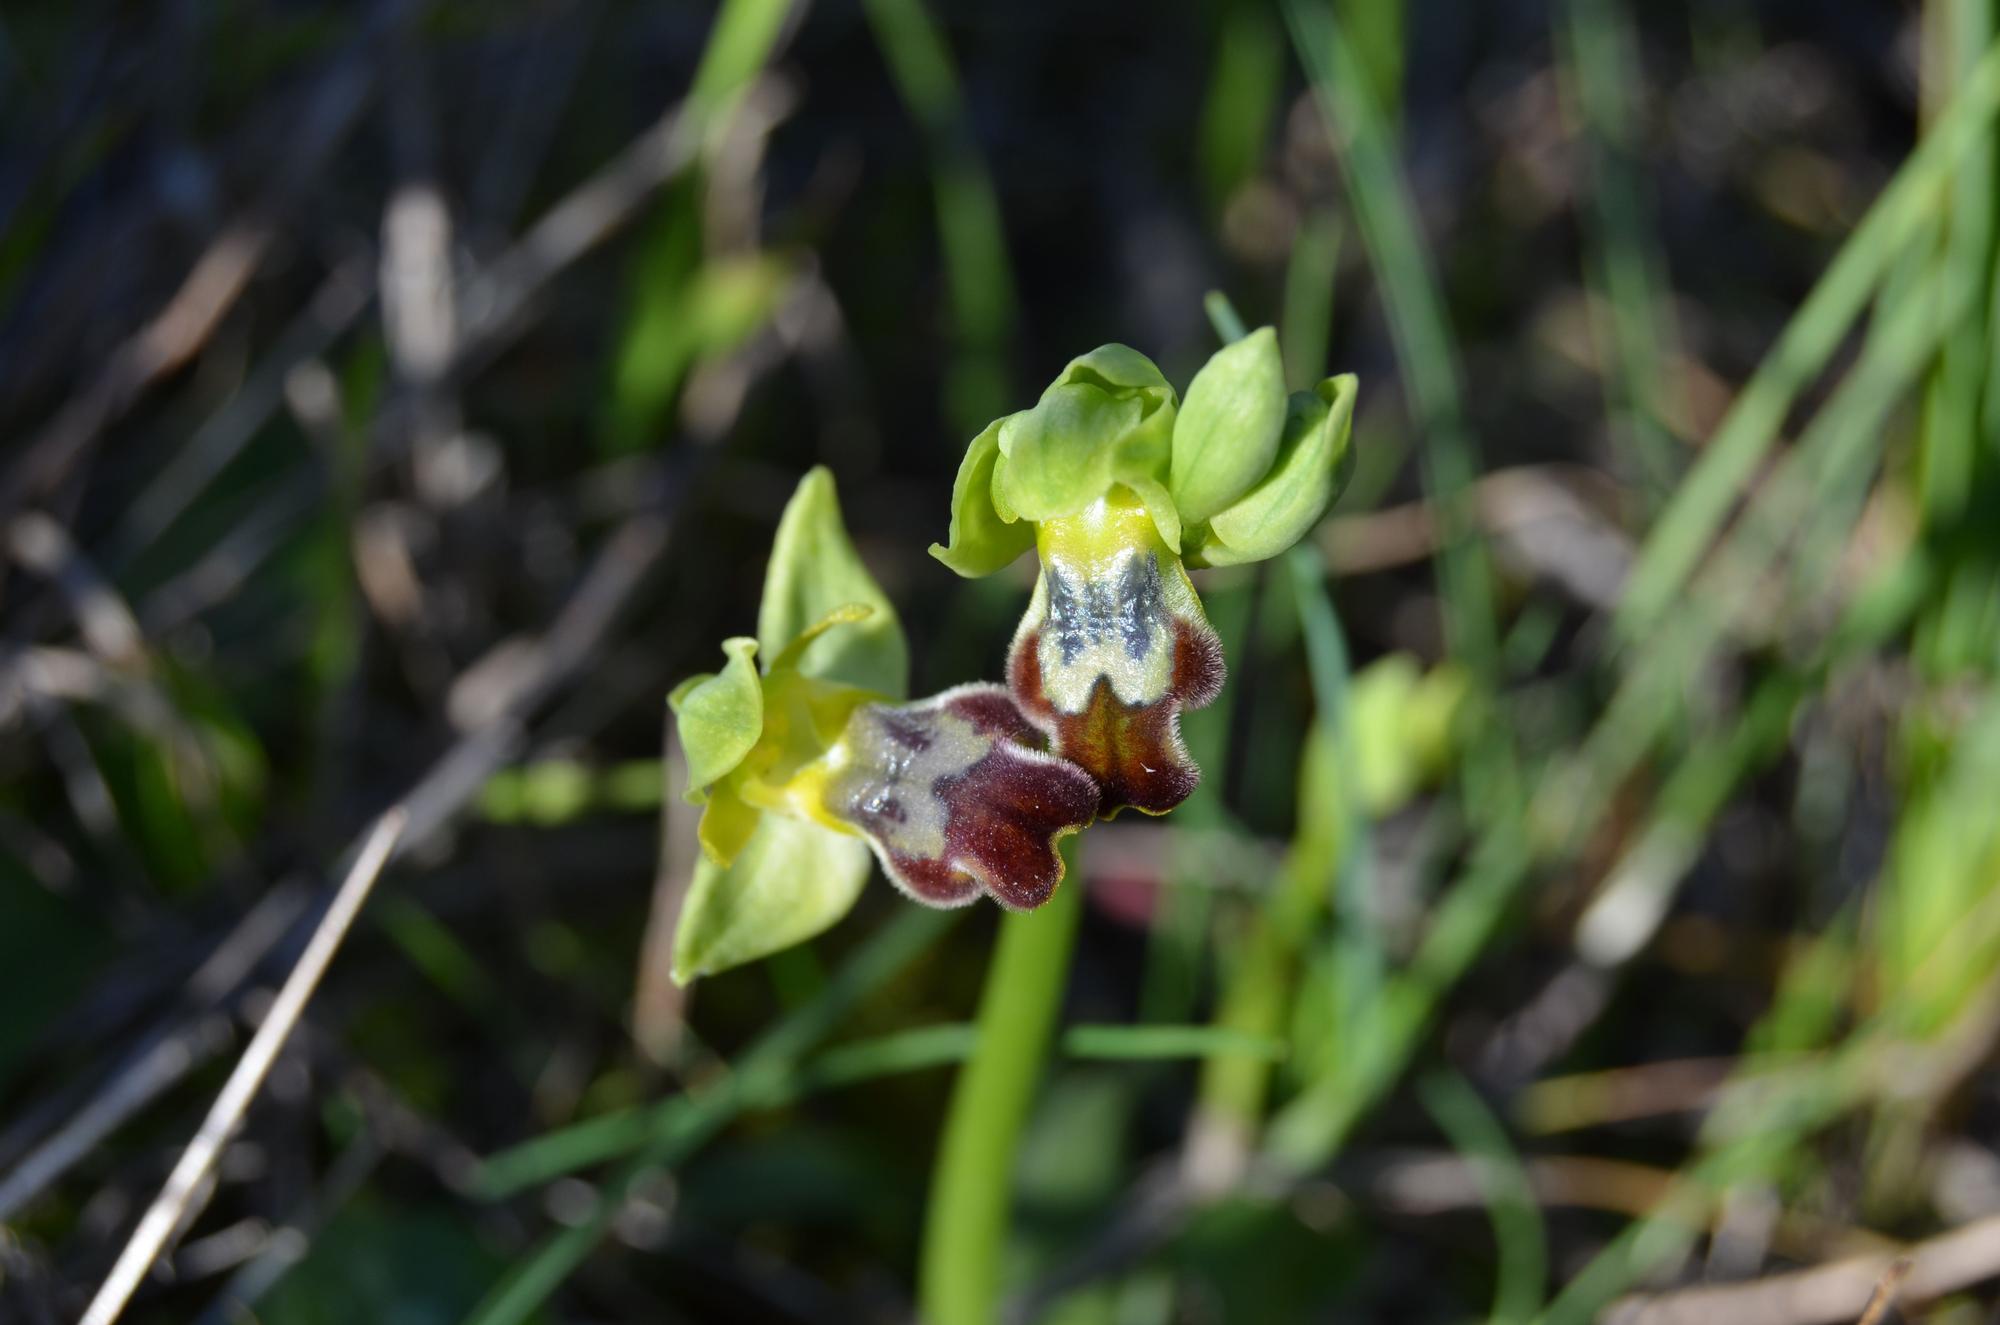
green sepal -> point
(719, 717)
(794, 652)
(727, 822)
(1001, 506)
(982, 539)
(1159, 504)
(1109, 418)
(790, 881)
(1314, 461)
(1228, 428)
(815, 571)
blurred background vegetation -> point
(1596, 884)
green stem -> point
(965, 1231)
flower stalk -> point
(965, 1231)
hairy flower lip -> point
(954, 801)
(956, 795)
(1113, 646)
(1134, 751)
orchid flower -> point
(1120, 486)
(805, 766)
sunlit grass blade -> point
(1425, 348)
(1222, 315)
(739, 42)
(1639, 888)
(1804, 497)
(1951, 428)
(1689, 522)
(1769, 1112)
(1312, 1127)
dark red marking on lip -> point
(1133, 750)
(1003, 814)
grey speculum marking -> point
(899, 757)
(1125, 605)
(901, 743)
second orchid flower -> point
(1119, 485)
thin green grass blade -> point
(741, 40)
(1511, 1205)
(1810, 492)
(1897, 218)
(612, 1135)
(1222, 315)
(1142, 1043)
(1308, 315)
(1242, 92)
(1425, 347)
(1951, 430)
(1625, 266)
(977, 270)
(763, 1072)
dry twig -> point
(1859, 1288)
(157, 1225)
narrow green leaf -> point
(1222, 315)
(971, 237)
(720, 717)
(981, 541)
(1228, 429)
(912, 1050)
(738, 45)
(792, 881)
(815, 571)
(1684, 535)
(705, 1109)
(1150, 1042)
(623, 1131)
(1504, 1186)
(1346, 74)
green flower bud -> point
(1229, 426)
(1313, 462)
